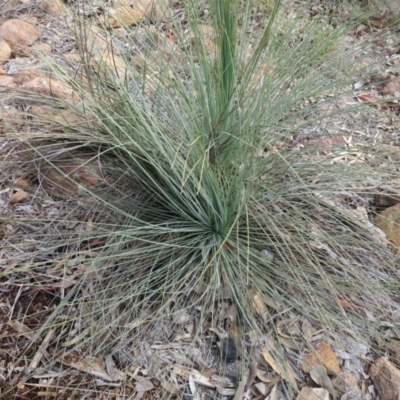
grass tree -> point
(208, 193)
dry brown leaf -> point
(377, 23)
(391, 105)
(319, 376)
(21, 329)
(306, 329)
(169, 387)
(89, 365)
(144, 385)
(389, 222)
(289, 343)
(42, 350)
(367, 97)
(347, 304)
(266, 378)
(254, 336)
(197, 377)
(18, 197)
(257, 304)
(262, 388)
(323, 355)
(284, 371)
(181, 317)
(220, 381)
(53, 180)
(288, 328)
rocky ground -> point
(32, 29)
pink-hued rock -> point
(50, 87)
(5, 51)
(7, 82)
(386, 379)
(18, 33)
(26, 75)
(53, 7)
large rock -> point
(18, 33)
(386, 379)
(26, 75)
(50, 87)
(7, 82)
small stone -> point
(43, 47)
(5, 51)
(18, 33)
(309, 393)
(52, 7)
(386, 379)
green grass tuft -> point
(207, 197)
